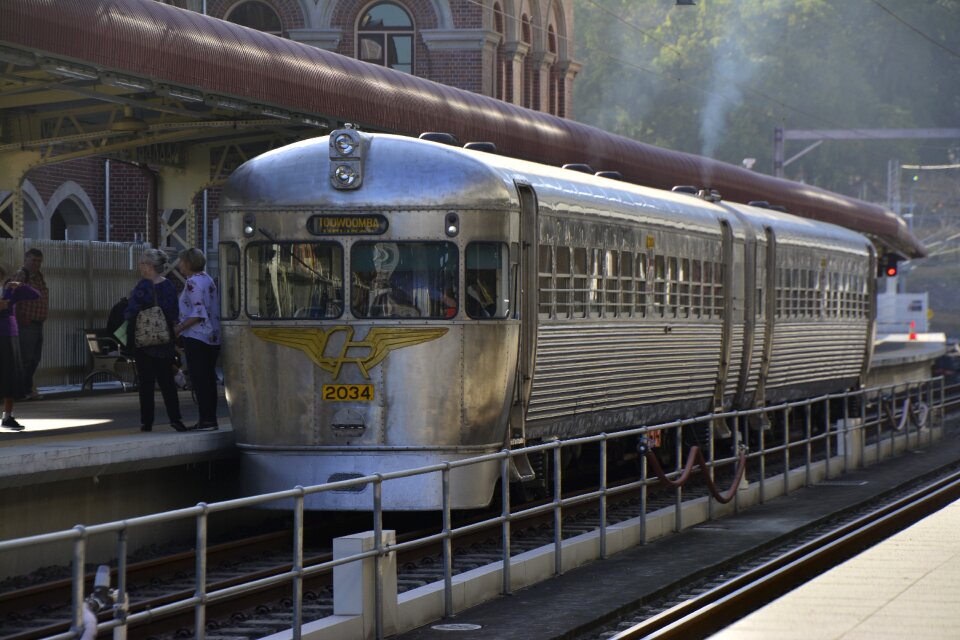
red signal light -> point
(891, 271)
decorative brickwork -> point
(492, 55)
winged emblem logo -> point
(365, 354)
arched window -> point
(256, 15)
(385, 36)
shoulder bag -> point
(152, 328)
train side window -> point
(696, 288)
(659, 285)
(579, 282)
(684, 278)
(547, 293)
(486, 294)
(718, 274)
(611, 283)
(626, 284)
(595, 282)
(640, 273)
(564, 282)
(708, 310)
(404, 279)
(229, 280)
(294, 280)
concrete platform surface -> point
(70, 435)
(565, 606)
(905, 587)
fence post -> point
(355, 583)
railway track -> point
(709, 604)
(41, 611)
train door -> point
(527, 307)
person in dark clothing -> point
(12, 379)
(154, 363)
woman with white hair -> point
(154, 361)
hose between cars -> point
(695, 457)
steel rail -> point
(715, 609)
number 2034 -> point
(348, 392)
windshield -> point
(294, 280)
(404, 280)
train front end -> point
(368, 324)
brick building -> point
(514, 50)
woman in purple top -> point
(199, 332)
(11, 368)
(154, 363)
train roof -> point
(407, 173)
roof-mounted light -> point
(345, 143)
(125, 82)
(346, 158)
(346, 176)
(180, 93)
(68, 69)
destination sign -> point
(334, 225)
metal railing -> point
(883, 414)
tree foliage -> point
(716, 79)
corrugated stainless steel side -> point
(756, 359)
(816, 351)
(85, 279)
(592, 368)
(736, 361)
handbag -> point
(152, 328)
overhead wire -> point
(916, 30)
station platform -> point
(905, 587)
(568, 606)
(71, 435)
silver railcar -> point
(391, 302)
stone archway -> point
(71, 214)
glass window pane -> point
(400, 53)
(385, 15)
(229, 280)
(404, 280)
(371, 49)
(294, 280)
(487, 294)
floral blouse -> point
(200, 299)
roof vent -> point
(710, 195)
(613, 175)
(685, 188)
(760, 204)
(778, 207)
(486, 147)
(441, 137)
(582, 168)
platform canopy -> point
(144, 81)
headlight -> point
(346, 175)
(345, 144)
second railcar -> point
(392, 302)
